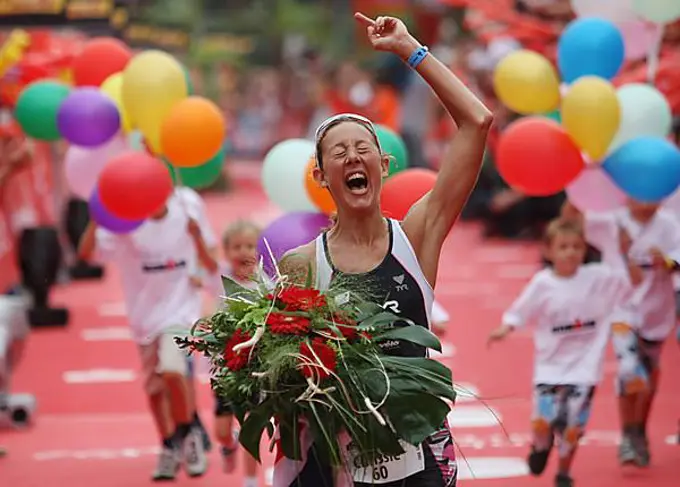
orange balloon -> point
(321, 197)
(193, 132)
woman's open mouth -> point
(357, 182)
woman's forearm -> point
(463, 106)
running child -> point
(569, 303)
(239, 245)
(641, 327)
(155, 262)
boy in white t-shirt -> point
(648, 318)
(569, 303)
(156, 263)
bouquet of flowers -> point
(288, 355)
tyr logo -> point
(393, 306)
(400, 282)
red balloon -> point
(401, 191)
(537, 157)
(100, 58)
(134, 185)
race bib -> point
(385, 468)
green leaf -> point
(435, 376)
(380, 320)
(233, 288)
(415, 424)
(252, 429)
(310, 276)
(290, 435)
(414, 334)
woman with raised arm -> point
(397, 261)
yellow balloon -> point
(527, 83)
(153, 81)
(113, 88)
(591, 115)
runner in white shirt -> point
(156, 262)
(648, 317)
(239, 246)
(569, 304)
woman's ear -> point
(385, 162)
(317, 174)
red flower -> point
(236, 360)
(347, 327)
(325, 354)
(288, 325)
(302, 299)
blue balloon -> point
(646, 169)
(590, 47)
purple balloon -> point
(289, 232)
(88, 118)
(105, 219)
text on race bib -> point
(386, 468)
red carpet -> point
(92, 428)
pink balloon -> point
(82, 166)
(638, 37)
(593, 190)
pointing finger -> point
(361, 18)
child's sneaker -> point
(228, 459)
(195, 459)
(641, 445)
(627, 453)
(537, 460)
(168, 465)
(563, 480)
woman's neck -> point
(359, 229)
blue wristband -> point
(418, 56)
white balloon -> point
(644, 113)
(659, 11)
(593, 190)
(614, 10)
(283, 175)
(82, 166)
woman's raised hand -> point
(388, 34)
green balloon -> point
(190, 84)
(392, 144)
(37, 107)
(556, 116)
(199, 177)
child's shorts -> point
(562, 409)
(160, 357)
(637, 358)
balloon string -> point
(654, 54)
(179, 184)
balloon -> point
(555, 116)
(401, 191)
(100, 59)
(392, 144)
(37, 107)
(590, 47)
(199, 177)
(153, 82)
(638, 37)
(614, 10)
(113, 88)
(646, 168)
(537, 157)
(283, 174)
(83, 166)
(88, 118)
(594, 190)
(134, 185)
(591, 115)
(320, 196)
(659, 11)
(527, 83)
(289, 232)
(644, 112)
(106, 220)
(192, 132)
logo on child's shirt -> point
(168, 265)
(577, 325)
